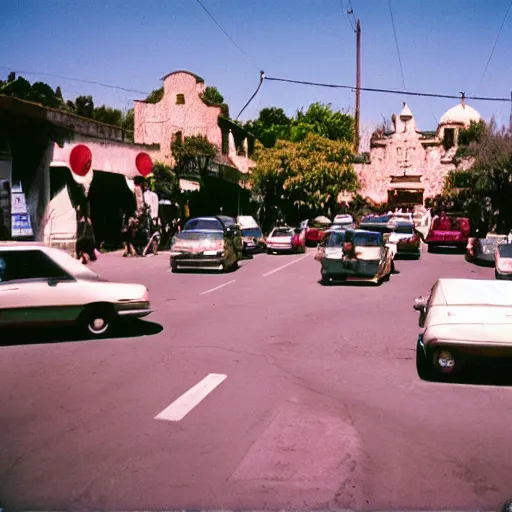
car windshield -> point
(280, 232)
(252, 232)
(505, 250)
(368, 239)
(335, 239)
(194, 236)
(380, 219)
(203, 224)
(404, 229)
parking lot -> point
(257, 388)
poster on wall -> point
(21, 226)
(18, 203)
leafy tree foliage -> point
(272, 124)
(211, 96)
(193, 155)
(305, 178)
(39, 92)
(484, 190)
(155, 96)
(164, 182)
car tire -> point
(431, 249)
(424, 366)
(98, 320)
(325, 280)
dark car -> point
(483, 250)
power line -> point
(352, 12)
(387, 91)
(38, 73)
(262, 77)
(345, 11)
(396, 43)
(494, 45)
(227, 35)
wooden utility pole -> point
(358, 87)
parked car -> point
(503, 258)
(207, 243)
(252, 235)
(448, 231)
(45, 286)
(463, 321)
(372, 259)
(406, 239)
(286, 239)
(343, 219)
(402, 217)
(483, 250)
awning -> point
(189, 185)
(413, 186)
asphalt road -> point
(318, 403)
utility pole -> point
(358, 87)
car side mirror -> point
(53, 282)
(420, 304)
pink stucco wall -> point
(405, 152)
(157, 123)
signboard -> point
(21, 226)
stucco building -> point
(181, 113)
(407, 166)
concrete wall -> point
(158, 123)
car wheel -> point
(446, 363)
(325, 280)
(98, 320)
(423, 364)
(431, 248)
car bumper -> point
(407, 249)
(504, 276)
(134, 309)
(197, 261)
(280, 248)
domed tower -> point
(455, 119)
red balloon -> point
(144, 164)
(80, 160)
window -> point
(180, 99)
(449, 138)
(32, 264)
(178, 137)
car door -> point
(35, 290)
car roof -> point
(21, 246)
(466, 292)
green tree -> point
(164, 182)
(304, 178)
(84, 106)
(128, 120)
(323, 120)
(108, 115)
(193, 155)
(155, 96)
(271, 125)
(211, 96)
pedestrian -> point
(85, 241)
(128, 236)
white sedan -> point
(46, 286)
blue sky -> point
(444, 47)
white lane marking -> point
(218, 287)
(191, 398)
(286, 265)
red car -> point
(448, 231)
(286, 239)
(315, 231)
